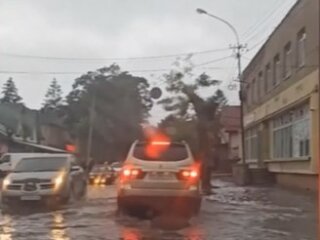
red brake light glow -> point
(135, 172)
(185, 173)
(191, 174)
(132, 173)
(127, 172)
(160, 143)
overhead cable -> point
(112, 58)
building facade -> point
(281, 105)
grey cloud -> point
(117, 28)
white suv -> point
(52, 178)
(161, 176)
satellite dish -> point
(155, 93)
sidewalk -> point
(270, 210)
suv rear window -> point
(171, 153)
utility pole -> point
(90, 132)
(238, 49)
(241, 170)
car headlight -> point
(97, 180)
(6, 182)
(58, 181)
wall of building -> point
(300, 91)
(269, 98)
(304, 182)
(303, 91)
(305, 15)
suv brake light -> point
(133, 173)
(188, 175)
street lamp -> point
(238, 49)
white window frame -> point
(267, 76)
(285, 130)
(249, 94)
(254, 91)
(251, 144)
(287, 61)
(261, 84)
(276, 71)
(301, 48)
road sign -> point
(155, 93)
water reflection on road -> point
(6, 229)
(232, 213)
(58, 228)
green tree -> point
(185, 102)
(121, 104)
(53, 98)
(180, 129)
(10, 93)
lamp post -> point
(90, 130)
(238, 49)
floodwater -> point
(230, 213)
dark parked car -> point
(116, 166)
(101, 174)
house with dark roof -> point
(229, 138)
(24, 129)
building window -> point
(276, 70)
(291, 134)
(287, 60)
(267, 79)
(249, 95)
(255, 87)
(251, 144)
(301, 48)
(254, 91)
(261, 84)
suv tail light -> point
(188, 175)
(132, 173)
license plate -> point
(160, 175)
(30, 198)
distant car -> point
(161, 176)
(51, 179)
(116, 166)
(101, 174)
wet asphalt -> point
(230, 213)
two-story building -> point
(281, 105)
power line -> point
(231, 73)
(257, 44)
(253, 27)
(260, 30)
(36, 72)
(213, 61)
(132, 70)
(112, 58)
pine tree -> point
(53, 97)
(10, 93)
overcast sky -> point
(126, 29)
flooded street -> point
(231, 213)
